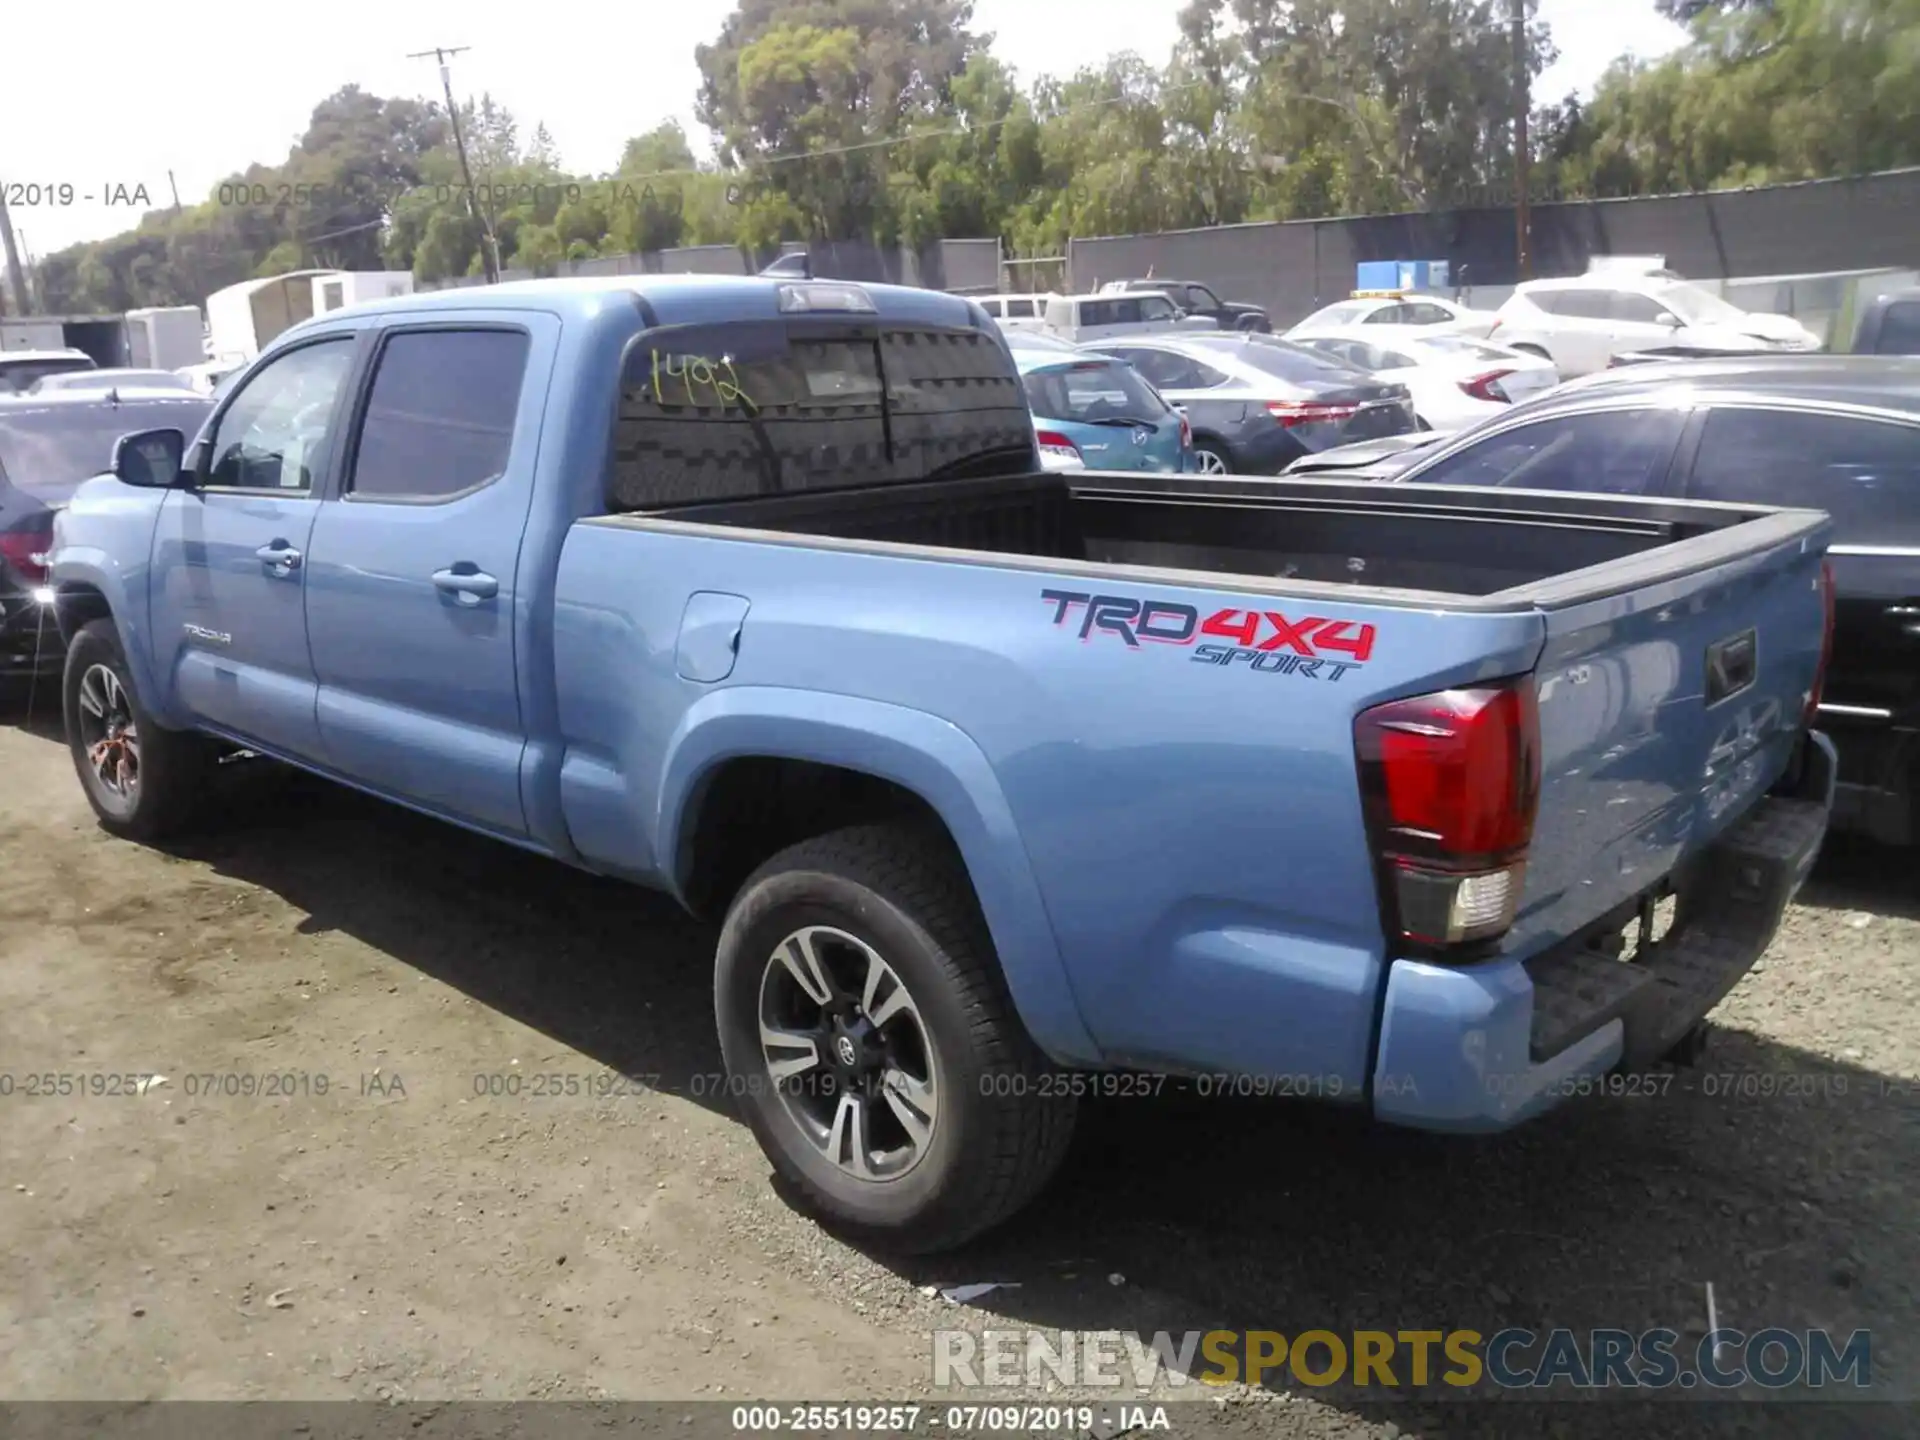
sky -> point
(216, 87)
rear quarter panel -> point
(1193, 829)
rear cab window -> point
(724, 412)
(1900, 329)
(1865, 473)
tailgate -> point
(1665, 711)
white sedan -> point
(1455, 380)
(1423, 314)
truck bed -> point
(1466, 544)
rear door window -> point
(439, 418)
(1019, 309)
(769, 407)
(1864, 473)
(1585, 305)
(1608, 453)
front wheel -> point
(872, 1045)
(141, 780)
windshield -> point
(1700, 307)
(46, 450)
(20, 376)
(1343, 314)
(1092, 391)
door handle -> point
(469, 587)
(279, 556)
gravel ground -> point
(421, 1233)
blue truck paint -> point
(1163, 827)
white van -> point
(1018, 312)
(1080, 318)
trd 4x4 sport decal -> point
(1311, 646)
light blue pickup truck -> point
(1013, 788)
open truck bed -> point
(1479, 549)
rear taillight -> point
(1305, 412)
(26, 549)
(1488, 387)
(1493, 328)
(1826, 641)
(1451, 781)
(1053, 443)
(1186, 432)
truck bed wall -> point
(1389, 539)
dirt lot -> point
(421, 1231)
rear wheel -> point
(872, 1046)
(142, 781)
(1210, 460)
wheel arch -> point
(875, 759)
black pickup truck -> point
(1197, 299)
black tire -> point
(996, 1139)
(173, 765)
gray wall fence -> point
(958, 265)
(1293, 267)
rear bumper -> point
(1482, 1048)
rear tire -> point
(1211, 460)
(879, 923)
(144, 782)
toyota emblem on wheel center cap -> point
(844, 1048)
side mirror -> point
(150, 459)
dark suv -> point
(1197, 299)
(1836, 433)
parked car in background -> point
(1084, 318)
(1833, 433)
(1098, 409)
(1257, 403)
(1455, 380)
(1371, 459)
(1583, 322)
(208, 376)
(49, 444)
(1017, 312)
(1889, 325)
(1659, 354)
(1197, 299)
(110, 379)
(1401, 309)
(1018, 340)
(21, 370)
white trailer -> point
(355, 287)
(242, 318)
(165, 337)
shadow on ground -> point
(1253, 1215)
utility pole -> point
(490, 244)
(1522, 145)
(16, 276)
